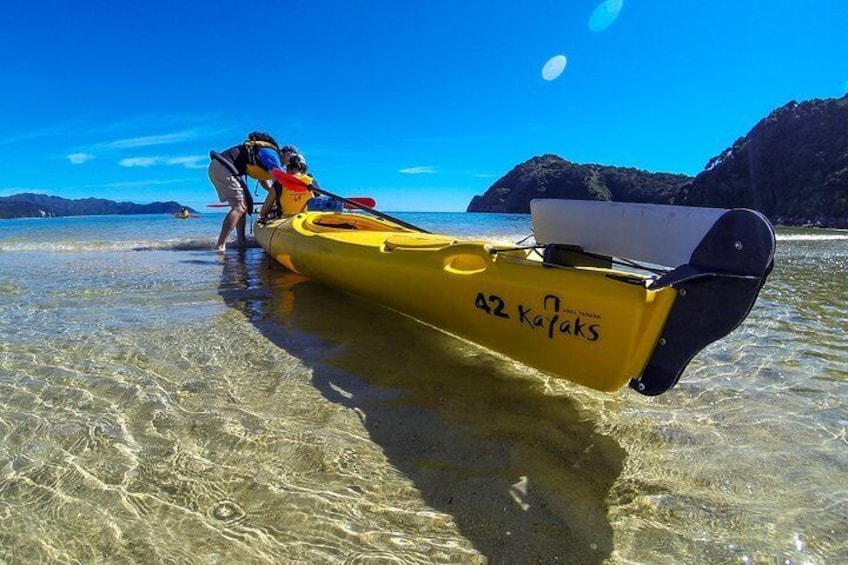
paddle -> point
(291, 180)
(363, 200)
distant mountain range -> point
(792, 166)
(30, 205)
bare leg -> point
(233, 219)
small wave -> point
(106, 246)
(209, 243)
(184, 245)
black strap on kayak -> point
(364, 208)
(556, 255)
(248, 198)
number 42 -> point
(494, 305)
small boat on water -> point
(184, 214)
(589, 301)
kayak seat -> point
(414, 241)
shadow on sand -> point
(524, 474)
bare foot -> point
(221, 248)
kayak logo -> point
(551, 317)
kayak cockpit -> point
(324, 222)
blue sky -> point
(421, 105)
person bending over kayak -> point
(256, 157)
(273, 196)
(289, 200)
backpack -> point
(257, 140)
(262, 136)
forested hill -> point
(792, 166)
(551, 176)
(29, 205)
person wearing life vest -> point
(256, 157)
(289, 200)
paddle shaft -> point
(284, 178)
(362, 200)
(354, 204)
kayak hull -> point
(591, 325)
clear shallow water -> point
(162, 403)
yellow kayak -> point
(569, 313)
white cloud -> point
(418, 170)
(189, 161)
(150, 140)
(79, 158)
(140, 161)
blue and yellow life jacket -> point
(245, 160)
